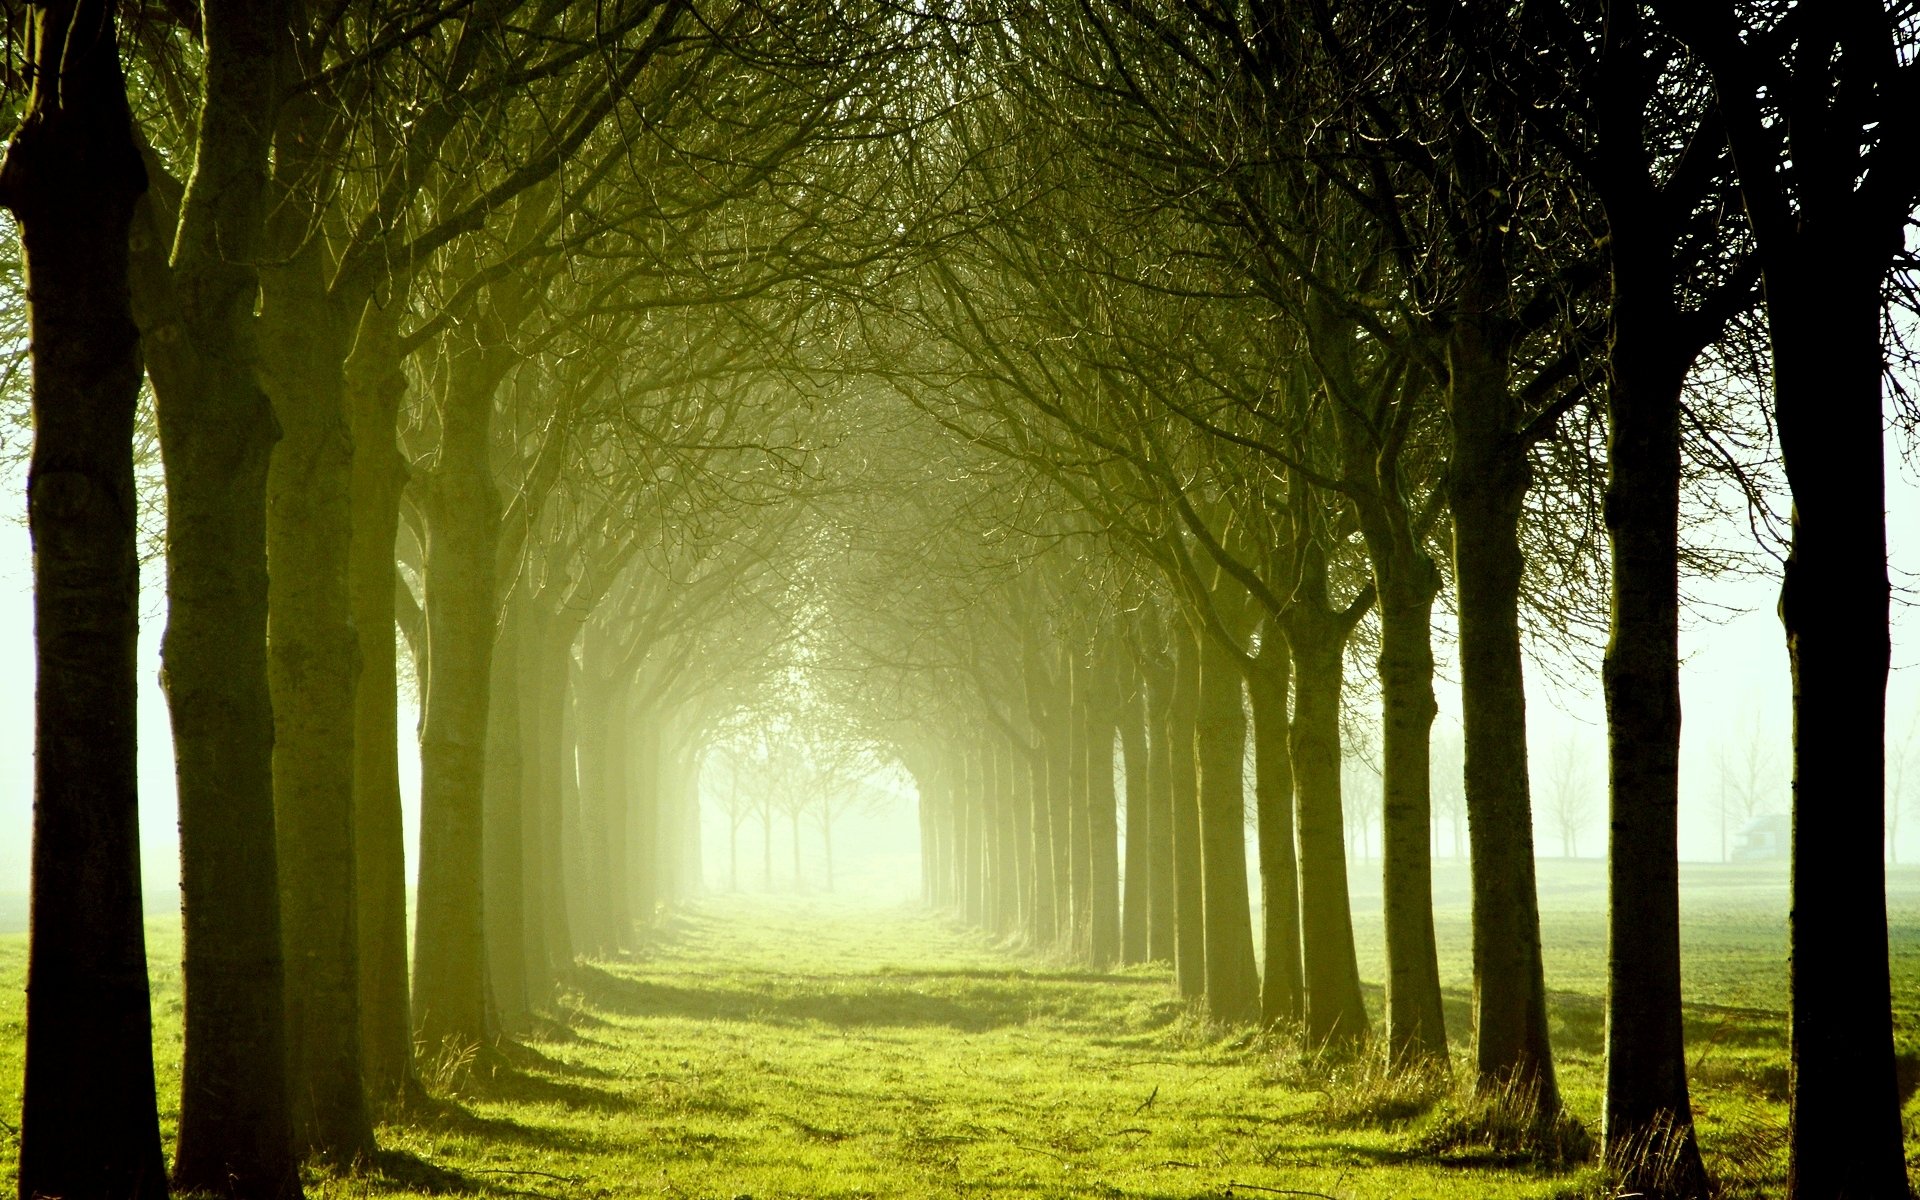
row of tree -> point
(1032, 379)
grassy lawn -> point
(806, 1047)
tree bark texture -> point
(1220, 731)
(1281, 995)
(72, 174)
(313, 664)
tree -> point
(1569, 799)
(71, 177)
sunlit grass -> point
(804, 1047)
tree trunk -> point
(313, 665)
(375, 385)
(1133, 906)
(1158, 798)
(1281, 999)
(1336, 1017)
(1189, 917)
(1834, 599)
(1041, 913)
(1488, 477)
(503, 883)
(88, 1128)
(462, 508)
(217, 432)
(1220, 731)
(1103, 874)
(644, 824)
(1416, 1022)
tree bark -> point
(503, 818)
(375, 385)
(462, 507)
(1281, 996)
(217, 432)
(1488, 477)
(1834, 599)
(1220, 730)
(1133, 906)
(313, 665)
(1336, 1017)
(72, 175)
(1189, 912)
(1161, 884)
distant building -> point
(1767, 836)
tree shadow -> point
(853, 1002)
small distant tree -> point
(1749, 778)
(1569, 797)
(1903, 764)
(1360, 783)
(1448, 789)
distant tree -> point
(1750, 784)
(1570, 800)
(1903, 767)
(1449, 796)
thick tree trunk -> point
(1133, 906)
(1336, 1017)
(1220, 733)
(462, 508)
(1189, 914)
(1281, 996)
(217, 432)
(1648, 1121)
(1834, 599)
(503, 883)
(72, 175)
(1488, 477)
(375, 385)
(313, 664)
(1416, 1023)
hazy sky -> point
(1734, 677)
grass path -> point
(802, 1048)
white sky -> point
(1734, 676)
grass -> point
(803, 1047)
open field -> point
(807, 1047)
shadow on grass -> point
(854, 1002)
(407, 1172)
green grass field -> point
(807, 1047)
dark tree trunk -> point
(1281, 995)
(1220, 731)
(72, 175)
(1488, 477)
(1648, 1120)
(217, 432)
(1834, 599)
(1316, 636)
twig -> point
(1254, 1187)
(1148, 1102)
